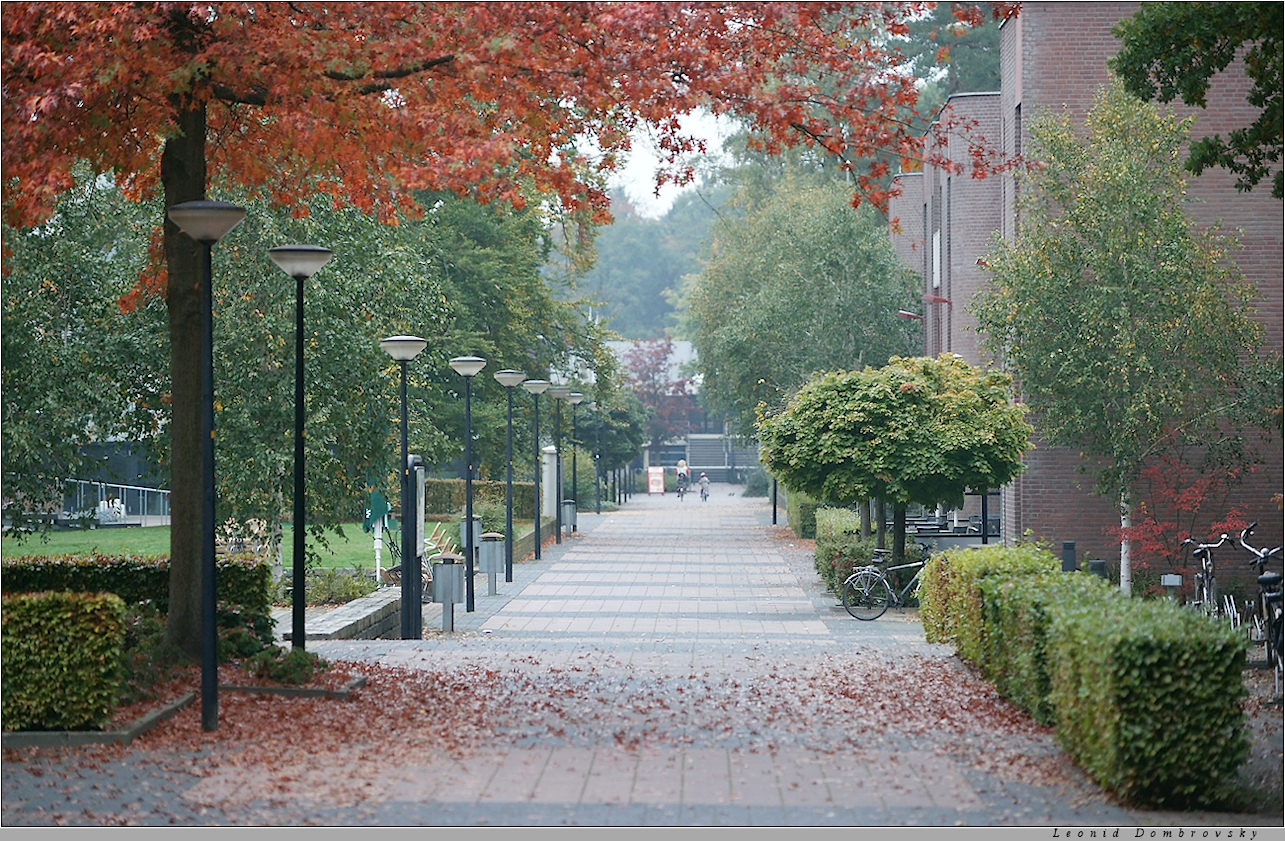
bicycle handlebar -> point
(1261, 556)
(1203, 548)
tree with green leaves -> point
(1174, 50)
(1128, 328)
(801, 283)
(918, 430)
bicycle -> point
(868, 592)
(704, 493)
(1267, 622)
(682, 486)
(1206, 580)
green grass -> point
(355, 549)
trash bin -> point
(448, 585)
(491, 558)
(569, 515)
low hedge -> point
(447, 496)
(62, 657)
(840, 545)
(1015, 610)
(950, 603)
(800, 512)
(1148, 698)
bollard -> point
(491, 559)
(448, 585)
(1068, 556)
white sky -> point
(638, 175)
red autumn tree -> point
(370, 102)
(665, 394)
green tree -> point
(918, 430)
(798, 284)
(1128, 329)
(77, 370)
(1173, 51)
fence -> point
(112, 504)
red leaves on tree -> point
(369, 103)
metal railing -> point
(108, 503)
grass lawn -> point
(355, 549)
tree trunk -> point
(865, 518)
(183, 178)
(899, 533)
(1126, 561)
(881, 526)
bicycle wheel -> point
(866, 595)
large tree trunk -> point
(183, 178)
(899, 533)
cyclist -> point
(682, 484)
(703, 481)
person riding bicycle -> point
(703, 481)
(682, 483)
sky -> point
(638, 175)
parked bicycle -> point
(1206, 597)
(1266, 620)
(869, 591)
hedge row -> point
(447, 496)
(1146, 695)
(62, 660)
(840, 545)
(800, 512)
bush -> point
(840, 545)
(294, 667)
(757, 482)
(62, 655)
(800, 511)
(1016, 613)
(1148, 699)
(951, 601)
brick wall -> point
(1053, 57)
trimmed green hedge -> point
(950, 603)
(1016, 612)
(446, 496)
(1146, 696)
(62, 656)
(800, 512)
(840, 545)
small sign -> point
(655, 480)
(1170, 580)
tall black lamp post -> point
(558, 393)
(468, 367)
(575, 398)
(207, 222)
(509, 379)
(597, 458)
(300, 262)
(535, 388)
(403, 349)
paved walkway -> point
(717, 684)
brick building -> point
(1053, 58)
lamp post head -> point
(468, 366)
(559, 392)
(509, 378)
(206, 221)
(300, 260)
(575, 398)
(536, 386)
(403, 348)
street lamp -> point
(207, 222)
(535, 388)
(403, 349)
(575, 398)
(300, 262)
(468, 367)
(509, 378)
(597, 458)
(558, 392)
